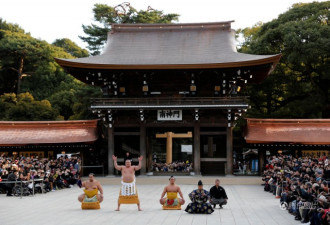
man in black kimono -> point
(218, 195)
(199, 201)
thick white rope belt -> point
(128, 188)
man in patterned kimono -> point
(199, 201)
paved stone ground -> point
(248, 204)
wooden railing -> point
(173, 103)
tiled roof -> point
(47, 132)
(292, 131)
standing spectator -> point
(127, 157)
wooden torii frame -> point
(169, 143)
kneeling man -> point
(172, 201)
(92, 187)
(218, 195)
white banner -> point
(187, 149)
(169, 115)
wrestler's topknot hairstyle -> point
(171, 177)
(200, 183)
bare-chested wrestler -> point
(172, 201)
(128, 193)
(92, 187)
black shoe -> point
(214, 206)
(220, 206)
(304, 221)
(297, 218)
(9, 195)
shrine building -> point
(171, 92)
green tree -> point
(104, 15)
(71, 47)
(299, 87)
(20, 55)
(23, 107)
(10, 27)
(43, 77)
(81, 106)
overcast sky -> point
(52, 19)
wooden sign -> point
(168, 115)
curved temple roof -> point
(292, 131)
(47, 132)
(170, 46)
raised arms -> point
(138, 166)
(115, 162)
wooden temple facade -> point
(171, 92)
(299, 137)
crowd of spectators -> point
(53, 174)
(177, 166)
(302, 186)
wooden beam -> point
(111, 150)
(197, 153)
(126, 133)
(261, 160)
(174, 135)
(169, 148)
(143, 146)
(229, 151)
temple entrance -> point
(171, 150)
(213, 145)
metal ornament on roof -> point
(233, 115)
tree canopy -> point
(104, 16)
(23, 107)
(71, 47)
(299, 86)
(28, 68)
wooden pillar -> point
(229, 151)
(197, 153)
(149, 155)
(111, 150)
(261, 160)
(143, 146)
(169, 145)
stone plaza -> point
(248, 204)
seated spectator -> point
(55, 173)
(301, 184)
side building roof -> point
(289, 131)
(14, 133)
